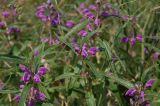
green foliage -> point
(71, 79)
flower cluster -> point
(46, 12)
(34, 96)
(91, 13)
(109, 10)
(132, 40)
(4, 22)
(85, 51)
(137, 94)
(29, 76)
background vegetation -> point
(72, 80)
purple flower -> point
(44, 40)
(146, 50)
(82, 33)
(70, 24)
(87, 13)
(53, 17)
(84, 52)
(40, 96)
(26, 77)
(156, 56)
(133, 41)
(125, 39)
(93, 51)
(2, 25)
(21, 86)
(37, 78)
(142, 96)
(14, 12)
(93, 7)
(42, 70)
(89, 27)
(82, 6)
(97, 22)
(149, 83)
(131, 92)
(56, 20)
(36, 53)
(24, 68)
(139, 37)
(31, 102)
(105, 13)
(125, 18)
(17, 98)
(13, 30)
(76, 48)
(73, 40)
(5, 13)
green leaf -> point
(24, 95)
(47, 104)
(107, 47)
(144, 74)
(10, 58)
(93, 69)
(123, 82)
(8, 91)
(67, 43)
(66, 75)
(90, 99)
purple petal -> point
(142, 96)
(97, 22)
(93, 7)
(83, 33)
(36, 53)
(41, 96)
(76, 48)
(133, 41)
(2, 25)
(93, 51)
(42, 70)
(156, 56)
(70, 24)
(125, 39)
(84, 52)
(31, 102)
(5, 13)
(24, 68)
(105, 13)
(44, 40)
(150, 83)
(130, 92)
(37, 78)
(89, 27)
(17, 98)
(139, 37)
(82, 6)
(26, 77)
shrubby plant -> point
(79, 53)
